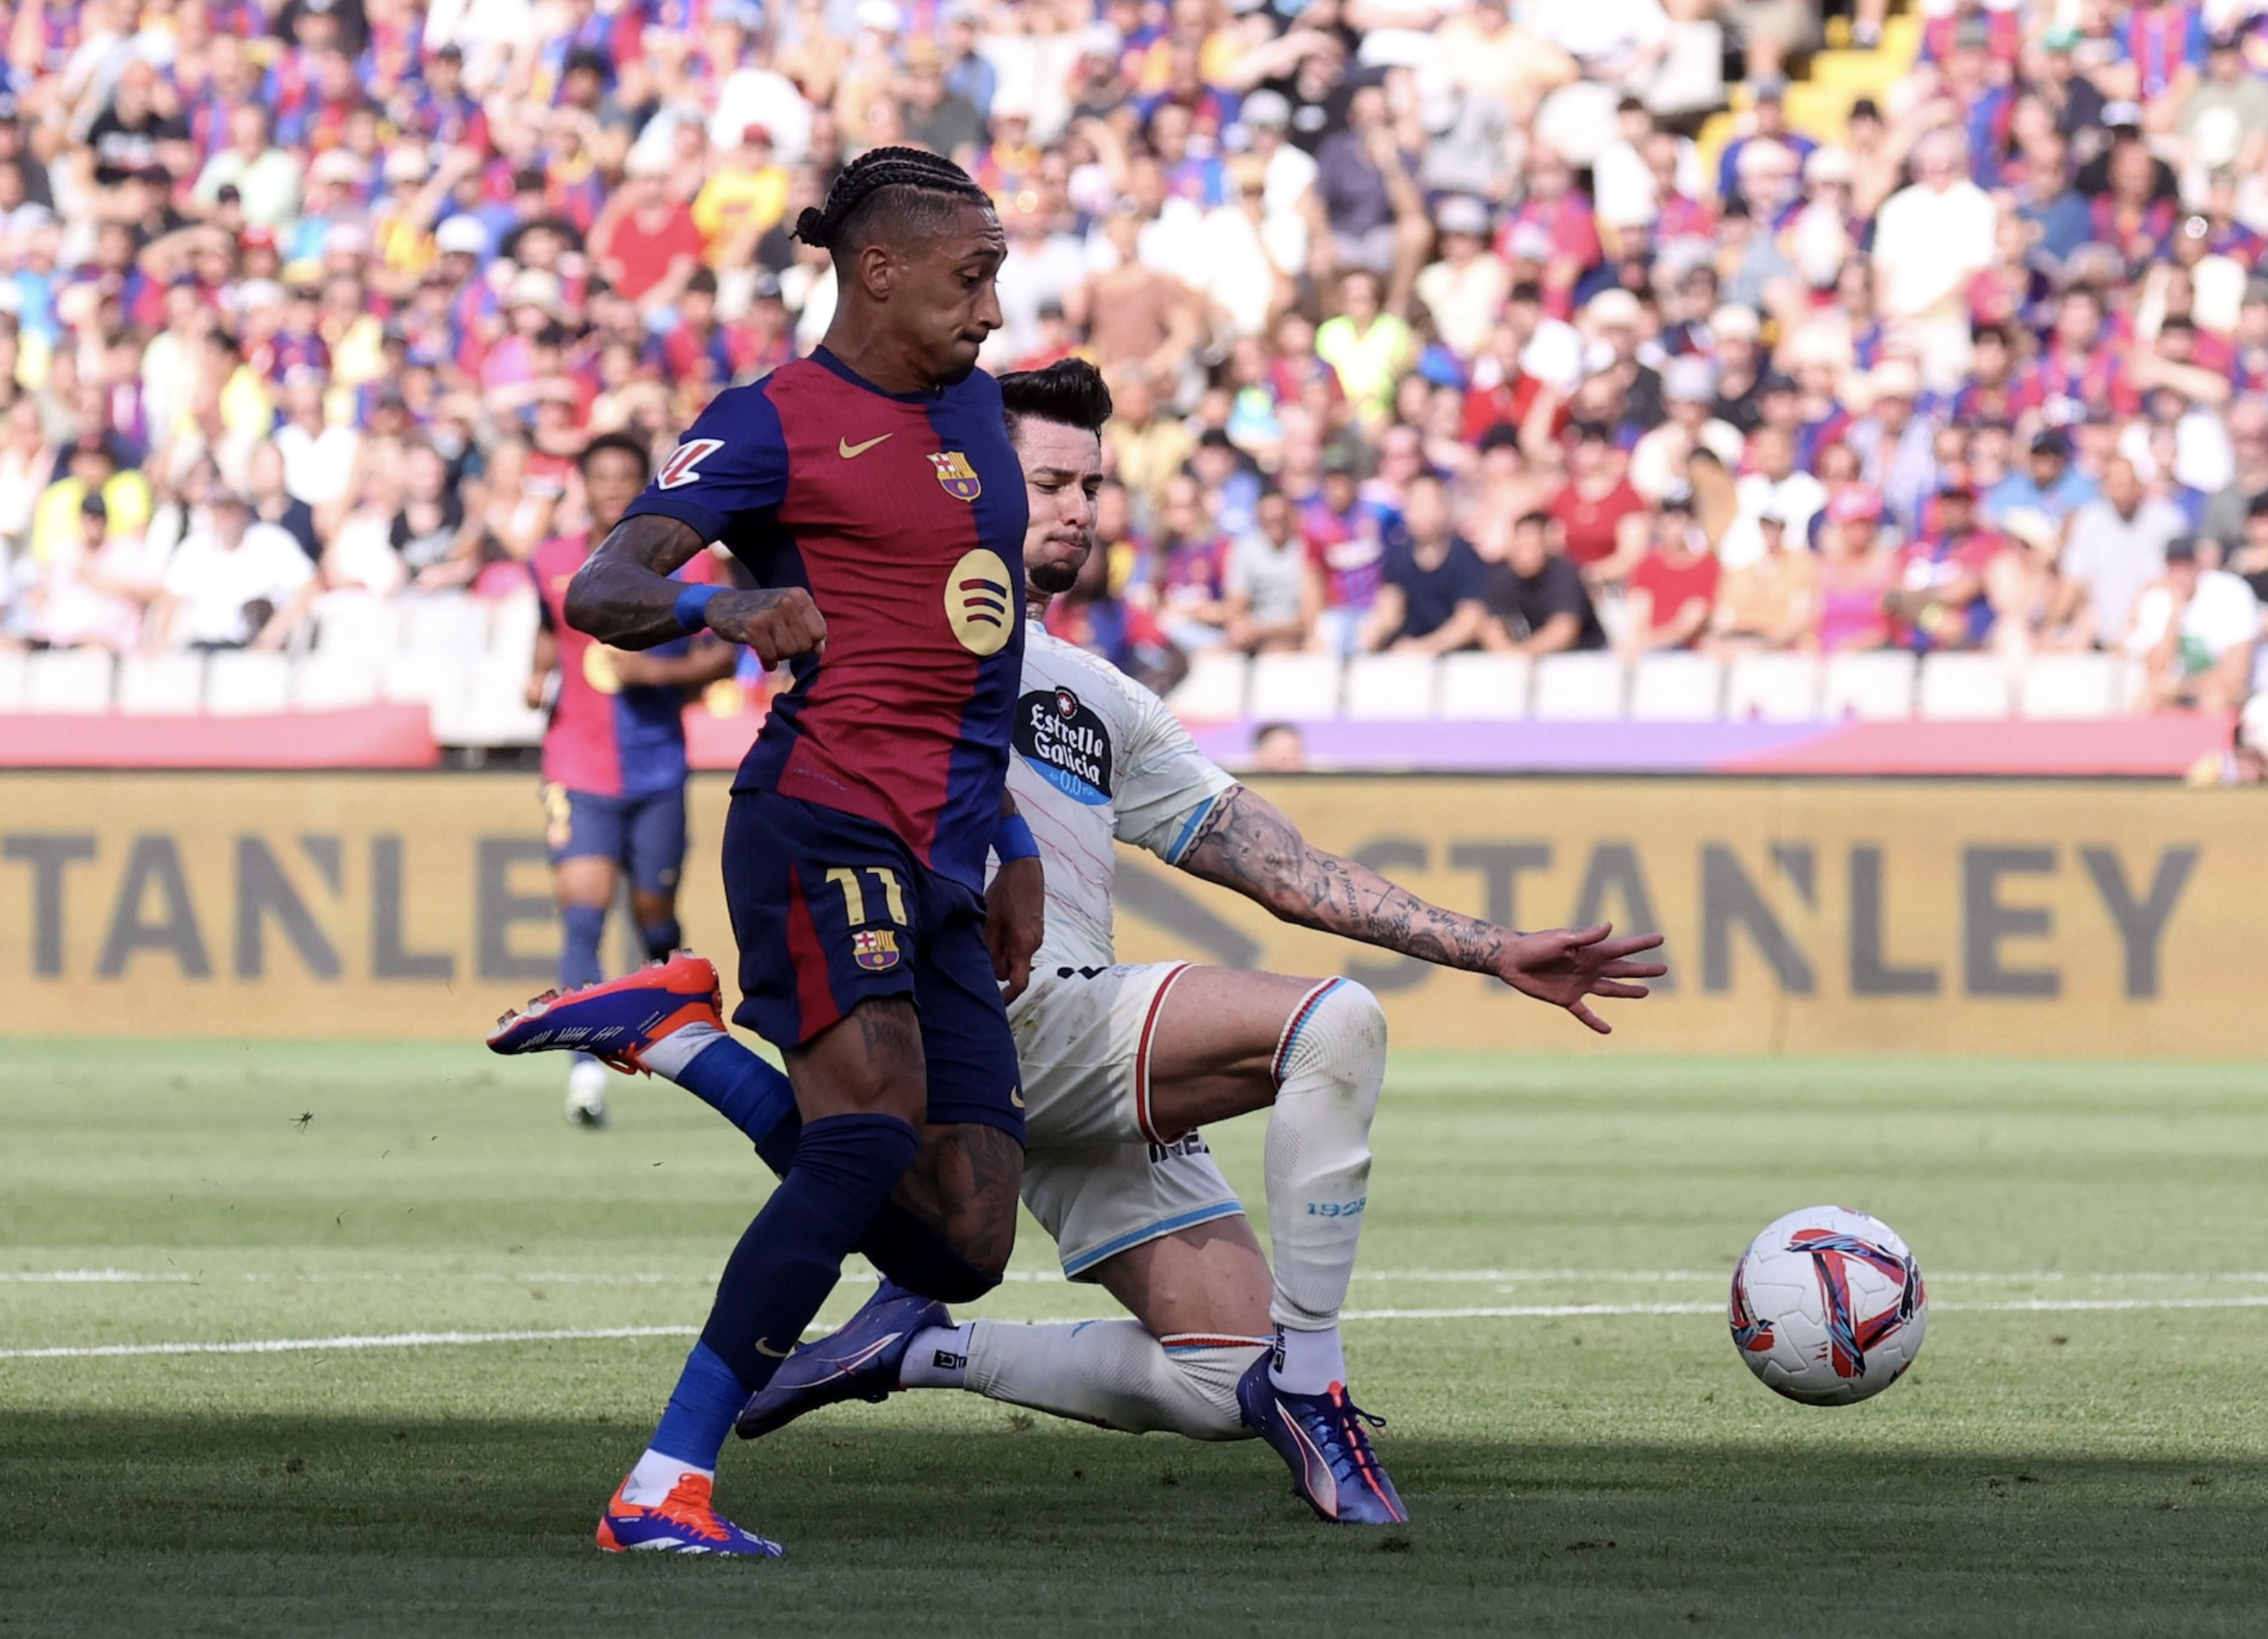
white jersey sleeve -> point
(1097, 759)
(1169, 787)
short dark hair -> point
(625, 442)
(889, 190)
(1070, 392)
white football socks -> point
(1113, 1374)
(668, 1057)
(1329, 1066)
(937, 1358)
(656, 1476)
(1307, 1362)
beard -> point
(1052, 579)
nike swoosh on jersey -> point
(848, 450)
(1016, 1097)
(766, 1349)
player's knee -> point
(1205, 1375)
(1340, 1037)
(925, 1259)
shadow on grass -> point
(297, 1526)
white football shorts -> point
(1098, 1175)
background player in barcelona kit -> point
(1122, 1064)
(872, 493)
(614, 753)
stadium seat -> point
(245, 684)
(161, 685)
(512, 624)
(1581, 688)
(355, 624)
(2071, 685)
(335, 682)
(1485, 687)
(495, 708)
(1295, 688)
(1963, 687)
(1772, 688)
(437, 681)
(1874, 686)
(67, 680)
(1213, 691)
(11, 679)
(446, 622)
(1676, 687)
(1390, 688)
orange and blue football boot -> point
(1321, 1437)
(617, 1021)
(683, 1522)
(859, 1360)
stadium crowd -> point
(1430, 325)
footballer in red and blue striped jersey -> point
(902, 515)
(855, 853)
(614, 753)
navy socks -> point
(791, 1255)
(583, 926)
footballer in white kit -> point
(1098, 760)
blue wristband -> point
(692, 606)
(1011, 839)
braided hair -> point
(917, 190)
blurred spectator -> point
(1346, 552)
(1536, 600)
(1938, 601)
(2116, 546)
(1674, 586)
(98, 586)
(2194, 629)
(1432, 602)
(2048, 488)
(1770, 604)
(2225, 514)
(1280, 748)
(1773, 486)
(234, 584)
(1189, 570)
(1855, 574)
(1269, 601)
(1602, 517)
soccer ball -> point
(1828, 1307)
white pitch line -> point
(309, 1345)
(1050, 1278)
(1509, 1312)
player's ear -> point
(876, 268)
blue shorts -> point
(831, 910)
(644, 835)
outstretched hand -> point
(1568, 965)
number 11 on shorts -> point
(854, 896)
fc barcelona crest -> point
(957, 477)
(875, 949)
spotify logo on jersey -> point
(980, 602)
(1065, 744)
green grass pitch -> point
(2080, 1450)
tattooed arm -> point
(624, 596)
(1249, 844)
